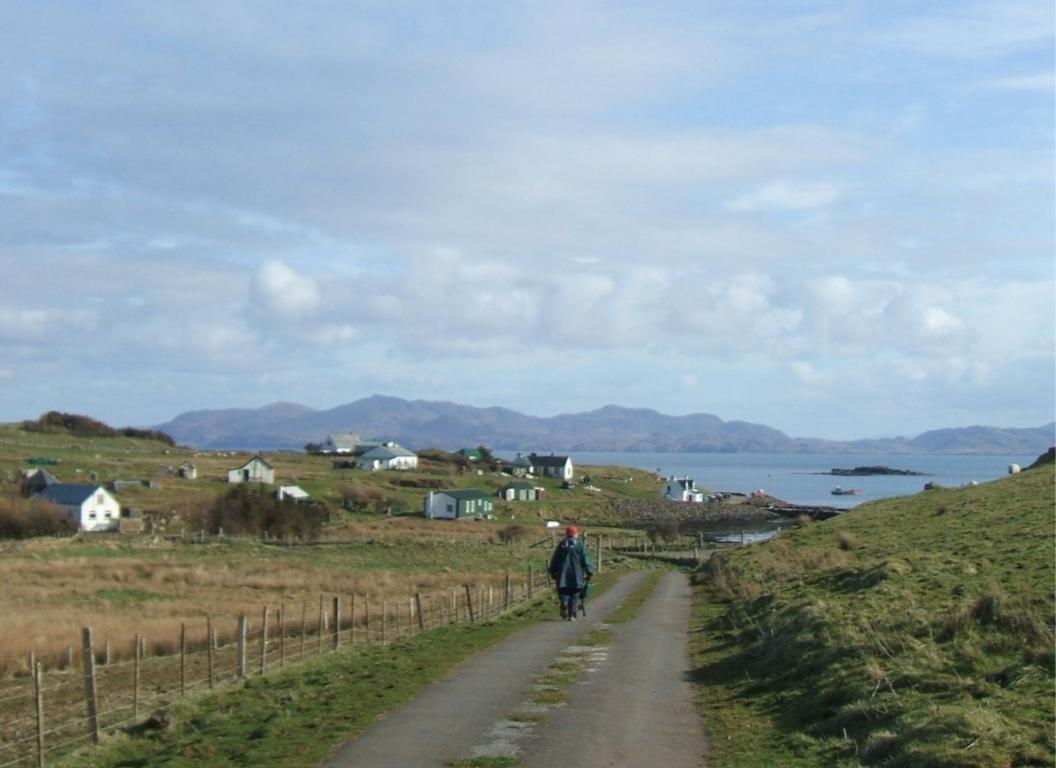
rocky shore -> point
(637, 512)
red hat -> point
(572, 531)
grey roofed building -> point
(341, 442)
(68, 494)
(387, 451)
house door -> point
(245, 475)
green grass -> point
(129, 596)
(909, 632)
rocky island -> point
(865, 471)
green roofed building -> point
(452, 505)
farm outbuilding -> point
(521, 492)
(256, 470)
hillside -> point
(423, 423)
(914, 631)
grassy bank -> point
(910, 632)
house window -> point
(91, 515)
(98, 498)
(450, 507)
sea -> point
(799, 478)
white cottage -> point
(91, 506)
(256, 470)
(551, 466)
(683, 489)
(388, 456)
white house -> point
(683, 489)
(551, 466)
(91, 506)
(291, 492)
(388, 456)
(340, 442)
(256, 470)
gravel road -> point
(633, 703)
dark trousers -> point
(569, 599)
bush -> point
(255, 512)
(56, 422)
(25, 518)
(666, 529)
(363, 498)
(513, 534)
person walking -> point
(571, 569)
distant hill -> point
(425, 423)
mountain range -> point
(420, 424)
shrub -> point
(666, 529)
(25, 518)
(256, 512)
(512, 534)
(363, 498)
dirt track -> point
(633, 706)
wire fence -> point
(55, 708)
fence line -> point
(77, 706)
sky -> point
(834, 218)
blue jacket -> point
(570, 566)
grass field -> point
(123, 585)
(909, 632)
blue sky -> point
(833, 218)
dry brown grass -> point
(151, 590)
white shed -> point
(256, 470)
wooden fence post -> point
(242, 645)
(264, 640)
(384, 623)
(89, 684)
(530, 580)
(421, 614)
(598, 566)
(352, 619)
(282, 635)
(304, 626)
(322, 622)
(106, 653)
(366, 618)
(136, 656)
(39, 696)
(183, 659)
(469, 604)
(508, 597)
(210, 642)
(337, 622)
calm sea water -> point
(793, 476)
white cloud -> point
(282, 290)
(784, 195)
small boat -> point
(839, 491)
